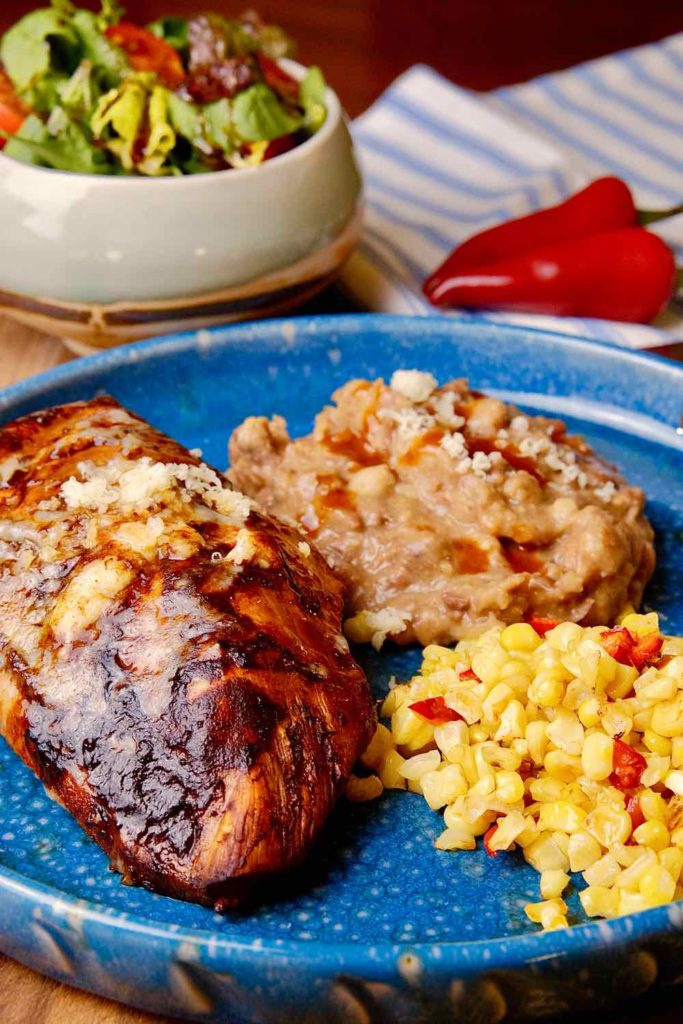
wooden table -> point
(363, 45)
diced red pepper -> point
(646, 650)
(542, 624)
(488, 836)
(469, 673)
(435, 709)
(618, 642)
(628, 766)
(636, 812)
(147, 52)
(526, 768)
(627, 649)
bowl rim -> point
(140, 181)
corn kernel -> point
(545, 788)
(563, 816)
(546, 690)
(603, 872)
(520, 637)
(456, 839)
(553, 884)
(630, 877)
(416, 766)
(545, 855)
(358, 790)
(583, 850)
(653, 805)
(677, 836)
(631, 902)
(609, 825)
(566, 732)
(672, 859)
(564, 636)
(536, 740)
(667, 718)
(510, 826)
(599, 901)
(674, 782)
(653, 834)
(380, 743)
(589, 712)
(677, 752)
(406, 725)
(597, 756)
(549, 910)
(509, 787)
(657, 886)
(442, 786)
(389, 771)
(641, 625)
(562, 766)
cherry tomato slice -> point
(628, 766)
(12, 111)
(146, 52)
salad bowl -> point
(99, 260)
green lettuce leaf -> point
(312, 97)
(96, 48)
(185, 118)
(39, 43)
(123, 113)
(217, 121)
(161, 139)
(70, 150)
(259, 116)
(173, 30)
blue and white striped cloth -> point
(441, 163)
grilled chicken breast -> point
(172, 665)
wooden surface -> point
(363, 45)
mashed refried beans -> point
(448, 512)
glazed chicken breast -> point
(172, 666)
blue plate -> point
(380, 925)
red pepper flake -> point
(627, 649)
(435, 709)
(487, 841)
(628, 766)
(469, 673)
(637, 817)
(542, 624)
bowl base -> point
(90, 327)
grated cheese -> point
(375, 627)
(415, 385)
(244, 549)
(304, 548)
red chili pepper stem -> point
(646, 217)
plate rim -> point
(438, 955)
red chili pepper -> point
(635, 810)
(487, 841)
(542, 624)
(435, 709)
(603, 205)
(146, 52)
(627, 274)
(628, 766)
(469, 673)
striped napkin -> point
(441, 163)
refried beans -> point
(448, 512)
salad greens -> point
(95, 94)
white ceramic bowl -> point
(99, 260)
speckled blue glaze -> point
(379, 925)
